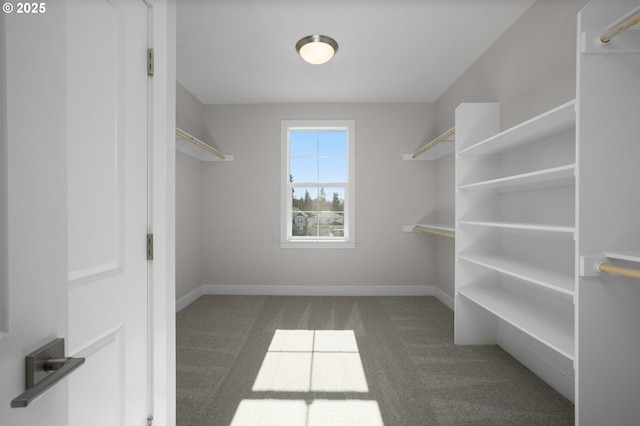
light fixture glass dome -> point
(316, 49)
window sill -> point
(317, 244)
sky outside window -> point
(318, 156)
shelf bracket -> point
(589, 265)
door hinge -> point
(150, 62)
(149, 246)
(150, 421)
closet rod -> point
(196, 142)
(431, 231)
(619, 270)
(446, 135)
(625, 23)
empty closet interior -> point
(512, 199)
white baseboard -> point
(549, 365)
(319, 290)
(314, 290)
(189, 298)
(444, 298)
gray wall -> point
(188, 198)
(531, 68)
(189, 113)
(445, 200)
(188, 224)
(241, 200)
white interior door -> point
(33, 295)
(74, 208)
(107, 210)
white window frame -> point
(286, 238)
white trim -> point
(444, 298)
(320, 290)
(189, 298)
(93, 273)
(313, 290)
(96, 344)
(162, 213)
(552, 367)
(318, 244)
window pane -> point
(304, 204)
(303, 143)
(326, 224)
(303, 169)
(333, 143)
(299, 223)
(317, 212)
(329, 221)
(333, 170)
(331, 199)
(305, 199)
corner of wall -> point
(189, 298)
(189, 112)
(445, 298)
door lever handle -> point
(53, 364)
(44, 368)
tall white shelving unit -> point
(515, 220)
(539, 207)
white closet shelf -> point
(195, 148)
(553, 280)
(437, 148)
(429, 228)
(535, 319)
(553, 177)
(553, 122)
(521, 226)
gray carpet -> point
(230, 372)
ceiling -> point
(243, 51)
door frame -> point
(161, 298)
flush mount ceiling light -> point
(316, 49)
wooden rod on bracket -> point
(432, 231)
(619, 270)
(446, 135)
(617, 28)
(187, 137)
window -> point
(318, 200)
